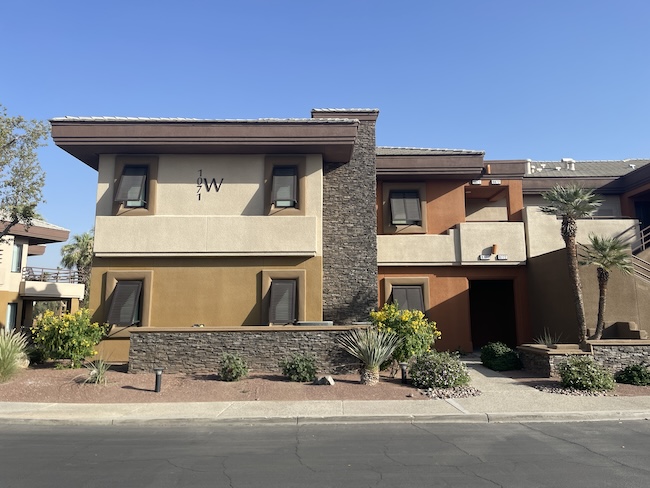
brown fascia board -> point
(636, 179)
(604, 185)
(39, 235)
(441, 166)
(510, 169)
(87, 139)
(35, 250)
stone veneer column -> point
(350, 225)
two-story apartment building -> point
(235, 223)
(21, 285)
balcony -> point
(48, 283)
(469, 243)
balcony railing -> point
(51, 275)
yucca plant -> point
(370, 346)
(12, 351)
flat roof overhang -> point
(38, 235)
(440, 166)
(86, 139)
(604, 185)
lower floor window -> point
(12, 312)
(408, 297)
(125, 306)
(282, 307)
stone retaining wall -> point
(200, 350)
(614, 355)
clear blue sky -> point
(517, 79)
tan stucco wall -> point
(551, 298)
(481, 211)
(544, 230)
(610, 206)
(231, 221)
(216, 292)
(7, 297)
(450, 301)
(11, 281)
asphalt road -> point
(585, 454)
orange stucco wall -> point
(450, 302)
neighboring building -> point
(231, 223)
(22, 285)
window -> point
(132, 188)
(135, 185)
(282, 308)
(126, 304)
(284, 296)
(408, 297)
(284, 191)
(17, 258)
(410, 292)
(405, 207)
(285, 184)
(12, 311)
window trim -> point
(278, 161)
(389, 187)
(422, 281)
(300, 275)
(151, 190)
(112, 277)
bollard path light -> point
(158, 378)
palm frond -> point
(608, 253)
(571, 201)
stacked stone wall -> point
(201, 351)
(350, 233)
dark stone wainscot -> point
(197, 350)
(613, 354)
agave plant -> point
(370, 346)
(12, 353)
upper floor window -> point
(405, 207)
(285, 184)
(132, 188)
(285, 181)
(125, 306)
(17, 258)
(135, 185)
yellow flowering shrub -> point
(418, 333)
(70, 336)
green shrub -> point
(71, 336)
(233, 367)
(12, 351)
(35, 355)
(634, 374)
(499, 357)
(583, 373)
(417, 334)
(299, 367)
(438, 370)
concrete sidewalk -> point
(502, 400)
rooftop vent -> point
(569, 163)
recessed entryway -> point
(492, 312)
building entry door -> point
(492, 312)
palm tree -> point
(572, 203)
(79, 255)
(608, 254)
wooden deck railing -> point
(51, 275)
